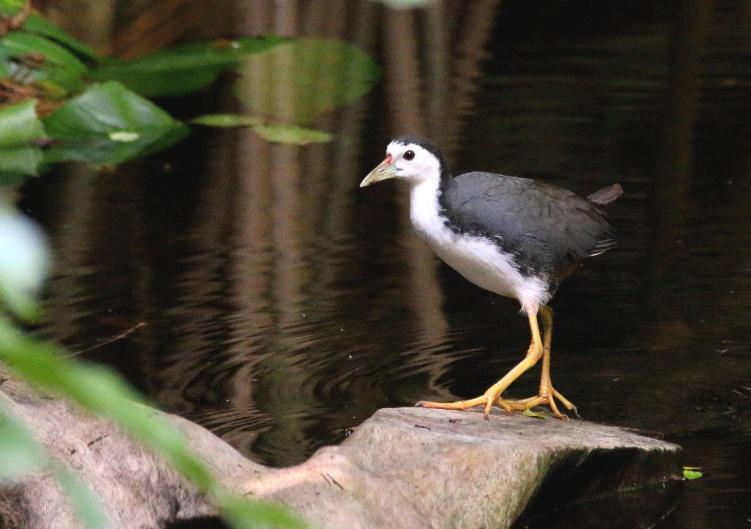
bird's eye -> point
(409, 155)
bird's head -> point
(409, 158)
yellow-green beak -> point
(383, 171)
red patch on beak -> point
(388, 159)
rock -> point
(421, 468)
(404, 467)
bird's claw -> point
(546, 397)
(487, 400)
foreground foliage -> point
(24, 262)
(60, 102)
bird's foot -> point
(487, 400)
(547, 396)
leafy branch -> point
(93, 109)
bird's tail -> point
(606, 195)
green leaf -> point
(24, 262)
(535, 414)
(310, 76)
(9, 7)
(101, 391)
(19, 453)
(690, 473)
(290, 134)
(247, 515)
(57, 68)
(41, 26)
(184, 68)
(16, 163)
(85, 504)
(226, 120)
(272, 132)
(83, 128)
(38, 24)
(20, 128)
(19, 124)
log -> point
(402, 468)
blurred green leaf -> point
(24, 262)
(85, 503)
(184, 68)
(101, 391)
(19, 124)
(533, 414)
(36, 23)
(246, 515)
(226, 120)
(16, 163)
(19, 129)
(41, 26)
(19, 453)
(291, 134)
(10, 7)
(83, 127)
(36, 58)
(691, 474)
(272, 132)
(310, 76)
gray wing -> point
(548, 229)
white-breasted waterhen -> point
(516, 237)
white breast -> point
(478, 259)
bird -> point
(516, 237)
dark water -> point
(283, 305)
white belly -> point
(478, 259)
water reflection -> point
(283, 305)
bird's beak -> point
(383, 171)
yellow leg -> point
(547, 393)
(493, 394)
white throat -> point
(424, 209)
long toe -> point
(544, 398)
(457, 405)
(487, 400)
(554, 409)
(566, 403)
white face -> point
(413, 163)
